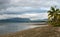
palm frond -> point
(53, 9)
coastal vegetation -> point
(54, 17)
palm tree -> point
(52, 15)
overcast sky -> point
(33, 9)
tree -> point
(53, 16)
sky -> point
(32, 9)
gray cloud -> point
(23, 10)
(36, 3)
(28, 3)
(4, 1)
(34, 16)
(4, 4)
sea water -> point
(14, 27)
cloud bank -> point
(33, 9)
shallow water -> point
(14, 27)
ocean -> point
(6, 28)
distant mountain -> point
(22, 20)
(45, 20)
(15, 20)
(41, 20)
